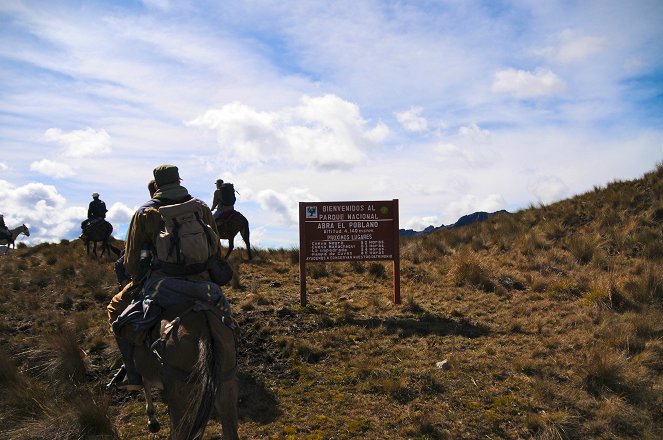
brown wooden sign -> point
(349, 231)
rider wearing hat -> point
(96, 210)
(140, 241)
(219, 203)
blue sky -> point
(449, 106)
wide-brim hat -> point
(164, 174)
(219, 181)
(95, 195)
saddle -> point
(225, 217)
(5, 234)
(93, 223)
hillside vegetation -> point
(544, 324)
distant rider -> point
(4, 230)
(96, 210)
(224, 198)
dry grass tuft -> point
(468, 271)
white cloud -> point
(325, 132)
(470, 203)
(474, 133)
(548, 189)
(119, 213)
(3, 166)
(523, 84)
(412, 120)
(80, 143)
(51, 168)
(421, 223)
(285, 206)
(43, 209)
(571, 47)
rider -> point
(141, 238)
(96, 210)
(4, 230)
(219, 202)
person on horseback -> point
(143, 258)
(224, 198)
(95, 211)
(5, 234)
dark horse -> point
(194, 363)
(13, 234)
(229, 224)
(99, 231)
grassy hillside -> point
(545, 324)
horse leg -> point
(231, 246)
(152, 422)
(226, 407)
(225, 359)
(245, 236)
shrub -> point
(377, 270)
(581, 248)
(318, 270)
(469, 272)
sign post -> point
(349, 231)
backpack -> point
(186, 243)
(228, 194)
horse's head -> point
(26, 231)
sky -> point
(449, 106)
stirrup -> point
(117, 378)
(130, 385)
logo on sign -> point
(311, 212)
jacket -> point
(146, 224)
(96, 209)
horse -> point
(193, 360)
(229, 224)
(99, 231)
(15, 233)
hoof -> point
(154, 427)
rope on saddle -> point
(226, 216)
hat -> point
(164, 174)
(219, 181)
(95, 195)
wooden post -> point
(397, 257)
(302, 257)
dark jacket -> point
(97, 209)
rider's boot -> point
(131, 380)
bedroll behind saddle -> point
(186, 243)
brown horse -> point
(14, 233)
(99, 231)
(193, 361)
(229, 224)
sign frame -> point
(349, 231)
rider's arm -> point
(142, 230)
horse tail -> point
(206, 386)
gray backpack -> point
(186, 243)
